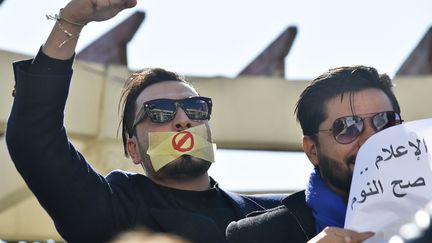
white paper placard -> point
(392, 179)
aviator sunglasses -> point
(346, 129)
(164, 110)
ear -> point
(310, 149)
(132, 148)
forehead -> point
(166, 90)
(357, 103)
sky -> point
(220, 38)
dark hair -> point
(310, 108)
(136, 83)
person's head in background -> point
(337, 112)
(142, 235)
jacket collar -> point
(296, 204)
(242, 204)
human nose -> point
(181, 121)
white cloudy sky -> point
(198, 37)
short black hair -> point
(310, 108)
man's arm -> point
(74, 195)
(74, 16)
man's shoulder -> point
(266, 226)
(295, 200)
(286, 204)
(267, 197)
(263, 219)
(121, 177)
(272, 225)
(267, 200)
(248, 203)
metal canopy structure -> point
(111, 47)
(271, 61)
(419, 62)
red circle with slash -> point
(181, 144)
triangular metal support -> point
(111, 47)
(419, 62)
(271, 61)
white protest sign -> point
(392, 179)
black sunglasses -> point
(346, 129)
(164, 110)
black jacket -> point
(291, 222)
(84, 205)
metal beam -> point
(111, 47)
(419, 62)
(271, 61)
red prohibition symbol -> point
(180, 141)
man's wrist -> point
(44, 65)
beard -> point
(184, 167)
(336, 173)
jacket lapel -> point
(242, 204)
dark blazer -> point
(84, 205)
(291, 222)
